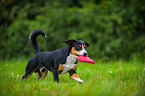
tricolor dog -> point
(59, 61)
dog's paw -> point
(79, 80)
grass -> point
(103, 79)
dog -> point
(58, 62)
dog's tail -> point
(32, 38)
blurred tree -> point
(114, 29)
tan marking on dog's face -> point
(60, 67)
(74, 68)
(74, 52)
(74, 76)
(84, 46)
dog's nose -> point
(85, 53)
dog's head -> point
(78, 47)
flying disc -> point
(85, 59)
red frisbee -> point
(85, 59)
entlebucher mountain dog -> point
(59, 61)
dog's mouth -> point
(75, 54)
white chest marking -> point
(71, 59)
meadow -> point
(113, 78)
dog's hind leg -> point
(28, 74)
(42, 73)
(30, 68)
(39, 74)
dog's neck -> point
(71, 59)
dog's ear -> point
(69, 42)
(87, 44)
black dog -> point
(59, 61)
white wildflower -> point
(110, 71)
(12, 74)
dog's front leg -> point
(55, 75)
(74, 75)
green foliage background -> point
(114, 28)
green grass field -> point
(103, 79)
